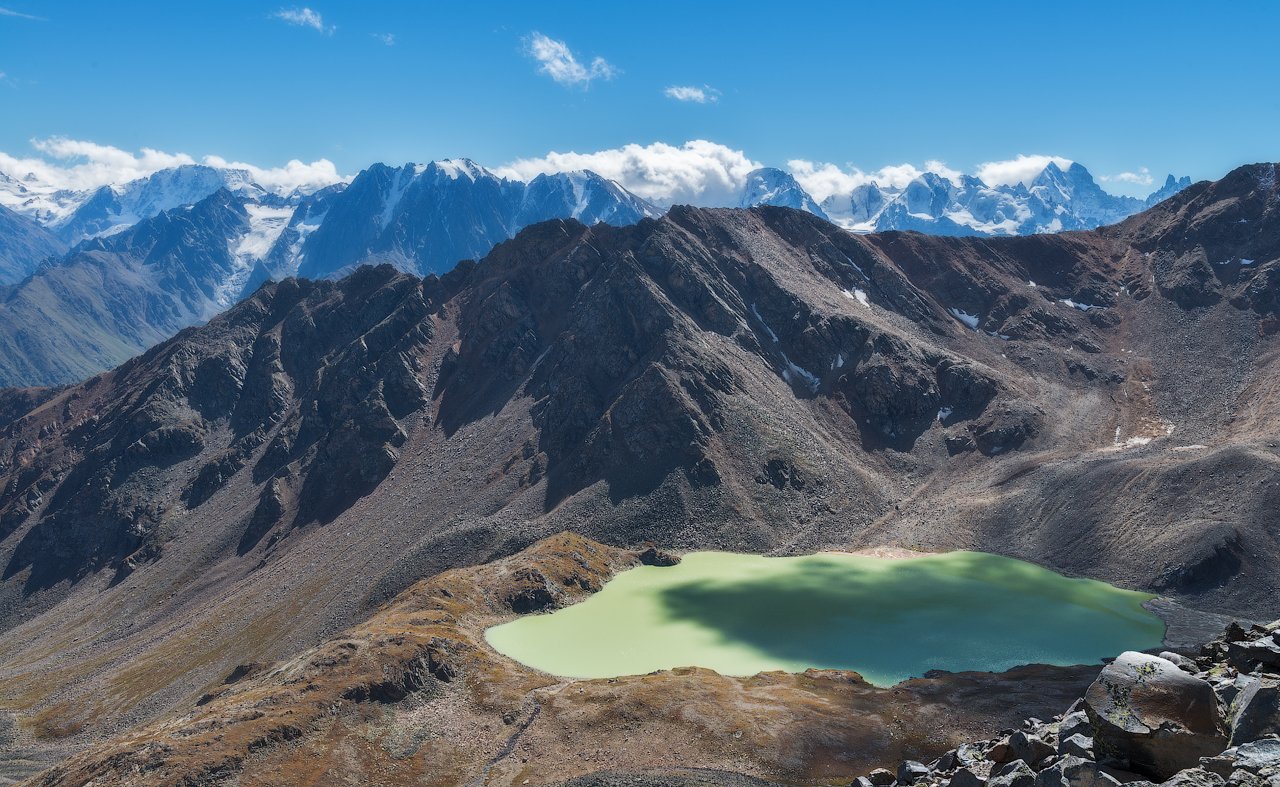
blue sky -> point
(1170, 87)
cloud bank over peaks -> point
(81, 165)
(698, 172)
(1021, 169)
(822, 179)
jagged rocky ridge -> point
(748, 379)
(1206, 721)
(418, 218)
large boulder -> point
(1152, 718)
(1256, 711)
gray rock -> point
(1183, 663)
(945, 763)
(1195, 777)
(1248, 656)
(1152, 718)
(881, 777)
(969, 754)
(1014, 774)
(1228, 689)
(910, 772)
(861, 781)
(1074, 772)
(963, 777)
(1256, 711)
(1077, 745)
(1245, 779)
(1020, 746)
(1076, 723)
(1260, 757)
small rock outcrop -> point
(652, 556)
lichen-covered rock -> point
(1152, 718)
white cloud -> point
(823, 179)
(1022, 169)
(1140, 178)
(697, 95)
(698, 172)
(81, 165)
(387, 39)
(305, 17)
(19, 15)
(558, 62)
(293, 175)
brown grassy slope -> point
(414, 696)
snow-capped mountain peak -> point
(455, 168)
(769, 186)
(1056, 199)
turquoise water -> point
(887, 619)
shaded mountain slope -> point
(24, 244)
(113, 297)
(740, 379)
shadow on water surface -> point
(961, 611)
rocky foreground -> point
(1206, 721)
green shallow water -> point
(887, 619)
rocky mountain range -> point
(91, 262)
(1101, 402)
(207, 237)
(1054, 201)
